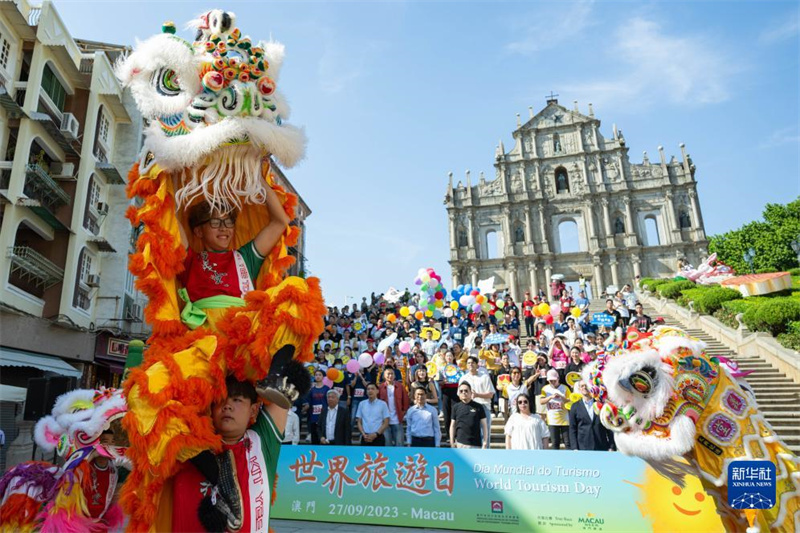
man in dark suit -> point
(333, 424)
(585, 430)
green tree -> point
(770, 239)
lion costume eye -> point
(643, 381)
(166, 82)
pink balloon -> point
(404, 347)
(327, 382)
(379, 358)
(555, 309)
(353, 366)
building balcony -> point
(39, 185)
(31, 266)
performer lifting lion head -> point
(212, 261)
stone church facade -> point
(563, 177)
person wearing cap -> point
(512, 322)
(554, 397)
(456, 332)
(582, 302)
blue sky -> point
(394, 95)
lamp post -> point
(749, 255)
(796, 247)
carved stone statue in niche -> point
(619, 226)
(519, 234)
(684, 220)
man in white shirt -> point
(372, 418)
(482, 389)
(430, 345)
(292, 431)
(422, 423)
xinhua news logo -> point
(497, 507)
(751, 484)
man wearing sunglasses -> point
(469, 421)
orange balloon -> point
(419, 315)
(536, 311)
(391, 317)
(480, 298)
(332, 374)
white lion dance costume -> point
(78, 496)
(217, 122)
(665, 397)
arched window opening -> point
(519, 234)
(568, 239)
(619, 226)
(95, 210)
(492, 245)
(562, 180)
(684, 220)
(651, 229)
(80, 297)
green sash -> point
(193, 314)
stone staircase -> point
(777, 395)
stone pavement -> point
(292, 526)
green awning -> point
(47, 363)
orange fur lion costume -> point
(216, 128)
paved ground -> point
(291, 526)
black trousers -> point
(380, 440)
(529, 326)
(449, 399)
(559, 434)
(423, 442)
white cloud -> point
(781, 32)
(781, 137)
(545, 30)
(338, 70)
(661, 67)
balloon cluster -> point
(471, 299)
(431, 296)
(365, 360)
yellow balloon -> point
(454, 305)
(438, 304)
(429, 313)
(404, 312)
(544, 309)
(339, 376)
(575, 312)
(501, 304)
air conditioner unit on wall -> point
(62, 170)
(135, 312)
(93, 280)
(70, 126)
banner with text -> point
(486, 490)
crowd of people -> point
(460, 372)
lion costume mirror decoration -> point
(665, 397)
(40, 496)
(217, 125)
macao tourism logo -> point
(497, 506)
(591, 522)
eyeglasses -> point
(465, 391)
(522, 403)
(218, 222)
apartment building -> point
(68, 135)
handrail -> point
(28, 257)
(49, 183)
